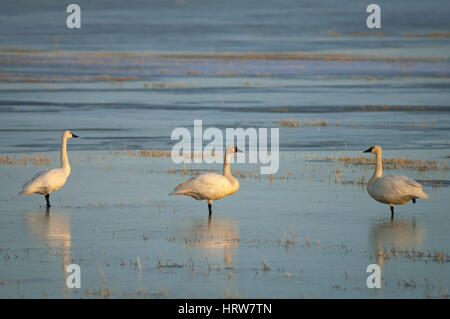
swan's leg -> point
(414, 200)
(210, 207)
(47, 198)
(392, 211)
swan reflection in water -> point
(214, 235)
(54, 229)
(215, 238)
(399, 234)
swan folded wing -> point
(398, 188)
(182, 186)
(404, 180)
(26, 188)
(45, 182)
(205, 186)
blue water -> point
(136, 70)
(226, 26)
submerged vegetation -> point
(339, 169)
(295, 123)
(35, 160)
(389, 163)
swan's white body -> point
(46, 182)
(392, 189)
(211, 186)
(395, 189)
(53, 179)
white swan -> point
(53, 179)
(392, 189)
(211, 186)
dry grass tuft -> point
(295, 123)
(391, 163)
(35, 160)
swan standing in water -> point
(53, 179)
(211, 186)
(392, 189)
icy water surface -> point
(409, 27)
(308, 232)
(137, 70)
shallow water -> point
(315, 234)
(139, 69)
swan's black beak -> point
(368, 150)
(73, 135)
(238, 150)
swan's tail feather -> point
(177, 192)
(423, 195)
(180, 188)
(24, 191)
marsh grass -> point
(415, 255)
(14, 54)
(35, 160)
(176, 85)
(170, 264)
(388, 163)
(266, 266)
(342, 169)
(429, 35)
(296, 123)
(159, 153)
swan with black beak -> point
(45, 182)
(392, 189)
(211, 186)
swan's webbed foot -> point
(47, 199)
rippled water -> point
(302, 234)
(229, 26)
(135, 71)
(397, 113)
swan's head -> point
(68, 134)
(232, 149)
(376, 149)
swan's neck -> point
(64, 159)
(226, 165)
(227, 173)
(379, 167)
